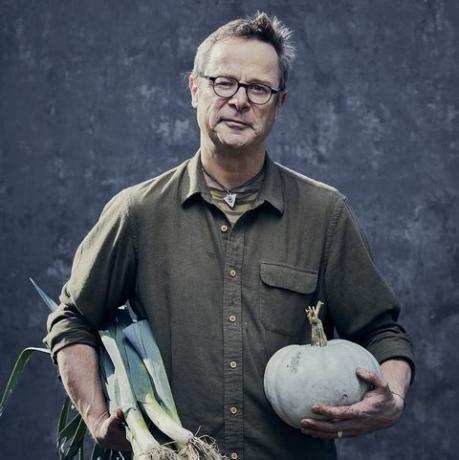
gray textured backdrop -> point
(93, 98)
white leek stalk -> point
(145, 395)
(144, 445)
(158, 402)
(141, 338)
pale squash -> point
(299, 376)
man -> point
(222, 255)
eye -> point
(224, 83)
(258, 88)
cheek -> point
(212, 111)
(264, 121)
(203, 115)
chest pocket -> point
(285, 292)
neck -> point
(232, 169)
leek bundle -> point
(136, 382)
(71, 429)
(154, 394)
(118, 384)
(137, 367)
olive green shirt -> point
(222, 299)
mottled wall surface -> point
(94, 98)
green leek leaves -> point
(135, 381)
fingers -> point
(377, 410)
(339, 434)
(319, 425)
(112, 434)
(327, 430)
(118, 416)
(338, 412)
(115, 423)
(371, 378)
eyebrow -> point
(264, 82)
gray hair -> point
(260, 27)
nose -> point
(240, 99)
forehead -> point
(244, 59)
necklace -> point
(230, 198)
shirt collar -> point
(272, 189)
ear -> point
(280, 102)
(193, 86)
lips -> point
(236, 122)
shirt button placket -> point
(232, 342)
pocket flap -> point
(287, 277)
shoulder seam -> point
(308, 180)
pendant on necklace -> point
(230, 199)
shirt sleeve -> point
(102, 278)
(363, 307)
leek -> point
(16, 373)
(71, 430)
(158, 402)
(145, 395)
(48, 301)
(70, 435)
(141, 337)
(135, 379)
(144, 445)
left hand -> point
(378, 409)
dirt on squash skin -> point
(344, 400)
(294, 362)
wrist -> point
(399, 400)
(94, 422)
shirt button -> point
(233, 410)
(232, 273)
(224, 228)
(233, 364)
(232, 318)
(233, 456)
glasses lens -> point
(258, 93)
(225, 87)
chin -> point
(234, 144)
(235, 140)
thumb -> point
(371, 378)
(117, 415)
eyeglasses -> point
(227, 87)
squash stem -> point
(318, 337)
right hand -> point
(109, 432)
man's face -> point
(235, 123)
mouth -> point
(235, 123)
